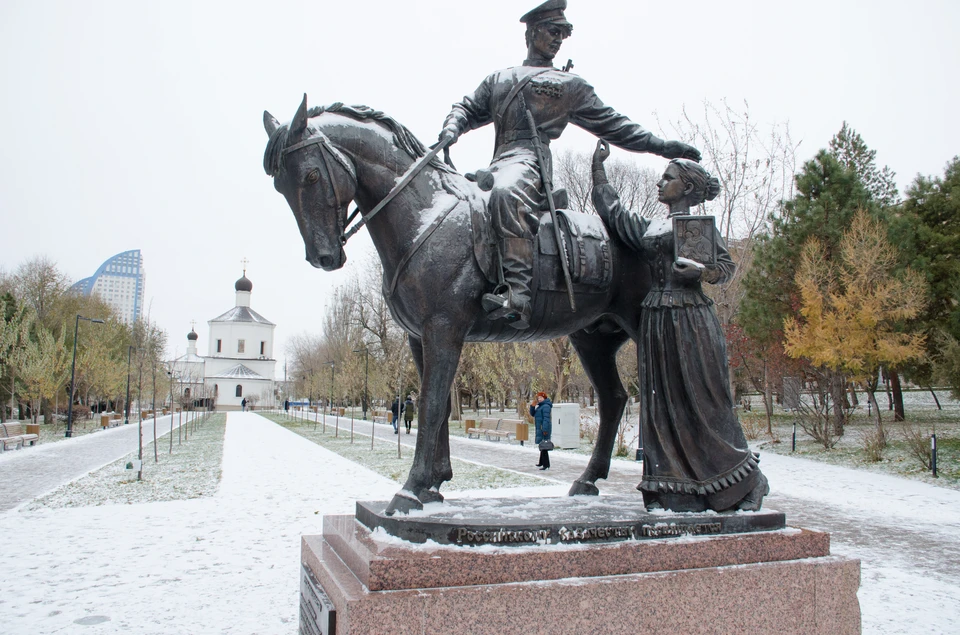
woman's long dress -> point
(695, 455)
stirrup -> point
(517, 318)
(494, 301)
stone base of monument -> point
(512, 566)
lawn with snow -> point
(383, 457)
(178, 470)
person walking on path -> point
(243, 405)
(395, 409)
(540, 411)
(408, 411)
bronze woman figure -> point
(695, 455)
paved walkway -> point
(36, 470)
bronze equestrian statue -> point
(432, 230)
(553, 98)
(436, 255)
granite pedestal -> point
(590, 578)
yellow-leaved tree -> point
(854, 309)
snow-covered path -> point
(34, 471)
(228, 564)
(225, 564)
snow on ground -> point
(229, 563)
(225, 564)
(906, 534)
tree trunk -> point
(454, 403)
(872, 399)
(898, 414)
(886, 384)
(767, 398)
(853, 394)
(937, 401)
(838, 395)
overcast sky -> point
(138, 124)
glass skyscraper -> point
(119, 282)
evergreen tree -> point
(850, 149)
(828, 196)
(927, 231)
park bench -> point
(13, 436)
(490, 427)
(509, 427)
(379, 419)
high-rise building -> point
(119, 283)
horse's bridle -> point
(320, 138)
(327, 148)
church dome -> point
(192, 336)
(244, 284)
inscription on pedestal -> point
(317, 613)
(506, 522)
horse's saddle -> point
(586, 245)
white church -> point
(239, 363)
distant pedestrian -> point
(243, 405)
(286, 405)
(540, 411)
(395, 409)
(409, 409)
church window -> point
(263, 346)
(241, 346)
(219, 346)
(239, 390)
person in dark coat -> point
(243, 404)
(540, 411)
(408, 411)
(395, 409)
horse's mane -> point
(402, 137)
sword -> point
(548, 188)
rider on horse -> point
(554, 98)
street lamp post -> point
(73, 369)
(366, 373)
(126, 416)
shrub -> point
(918, 443)
(873, 442)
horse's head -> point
(318, 181)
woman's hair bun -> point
(712, 190)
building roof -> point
(190, 358)
(244, 284)
(242, 314)
(239, 372)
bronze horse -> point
(329, 156)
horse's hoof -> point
(404, 503)
(430, 496)
(583, 488)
